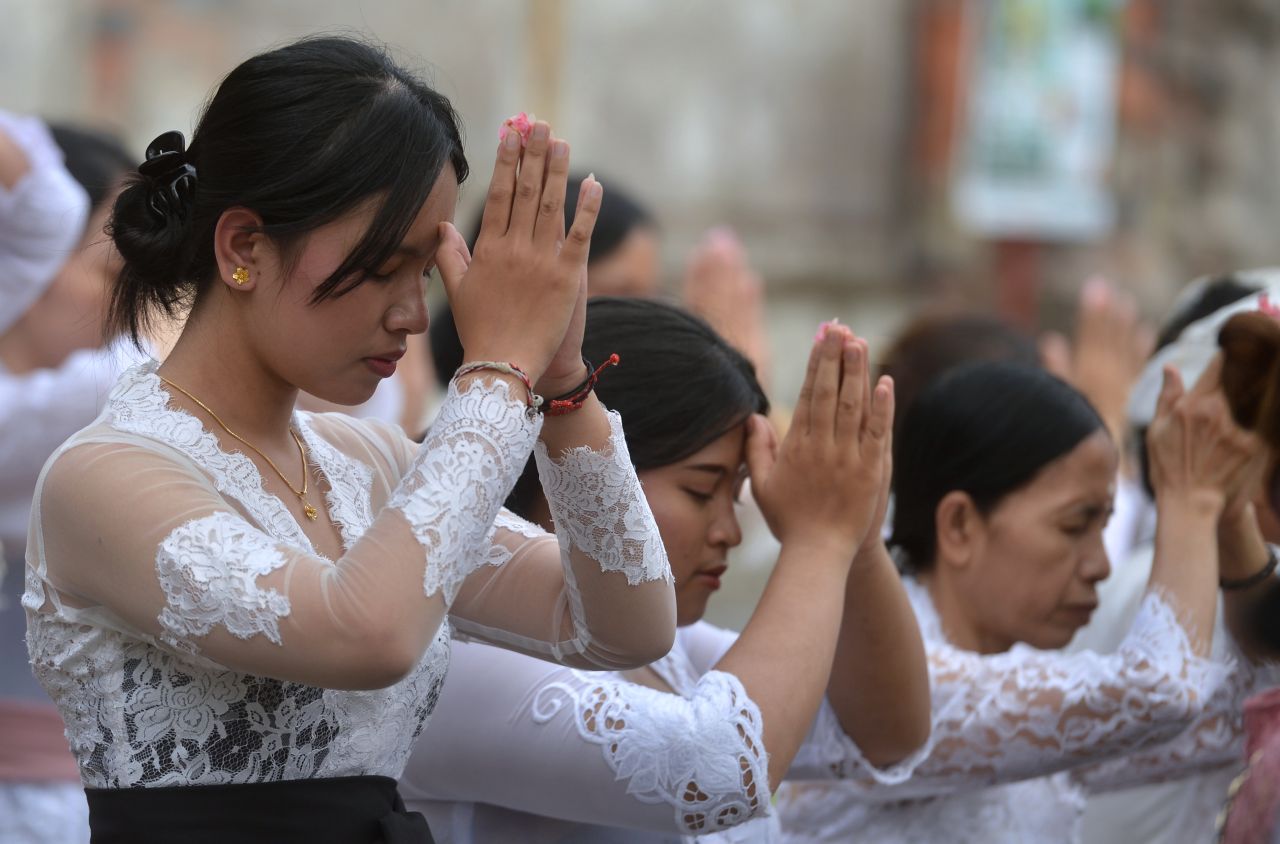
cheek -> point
(1033, 569)
(682, 530)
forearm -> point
(1242, 553)
(621, 599)
(13, 163)
(1185, 568)
(783, 655)
(879, 685)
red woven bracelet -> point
(577, 397)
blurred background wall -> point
(833, 136)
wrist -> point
(553, 384)
(835, 552)
(1190, 502)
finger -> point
(854, 392)
(549, 228)
(866, 381)
(529, 184)
(826, 385)
(1211, 379)
(452, 257)
(880, 415)
(800, 420)
(497, 203)
(577, 243)
(761, 451)
(1055, 354)
(1171, 390)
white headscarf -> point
(1198, 343)
(42, 219)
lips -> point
(710, 577)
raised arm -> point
(1027, 713)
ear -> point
(958, 527)
(238, 242)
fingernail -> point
(511, 140)
(560, 149)
(596, 190)
(542, 131)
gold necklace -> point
(310, 511)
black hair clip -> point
(171, 177)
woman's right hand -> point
(822, 485)
(1197, 452)
(513, 301)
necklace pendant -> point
(310, 512)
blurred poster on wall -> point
(1039, 109)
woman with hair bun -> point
(243, 612)
(1003, 481)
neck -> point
(18, 351)
(215, 364)
(958, 623)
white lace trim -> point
(470, 460)
(599, 507)
(138, 405)
(140, 715)
(703, 754)
(208, 570)
(350, 483)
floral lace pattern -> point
(481, 438)
(1021, 715)
(702, 753)
(208, 570)
(142, 712)
(599, 508)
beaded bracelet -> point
(577, 397)
(1255, 578)
(535, 400)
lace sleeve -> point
(1215, 739)
(599, 592)
(1027, 713)
(592, 748)
(171, 553)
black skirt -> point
(342, 810)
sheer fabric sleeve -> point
(591, 747)
(1214, 740)
(1027, 713)
(136, 528)
(604, 573)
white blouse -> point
(1020, 737)
(183, 623)
(525, 751)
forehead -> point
(724, 451)
(1089, 469)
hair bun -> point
(1250, 344)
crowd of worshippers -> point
(288, 558)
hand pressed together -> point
(825, 483)
(521, 297)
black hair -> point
(94, 158)
(620, 214)
(1215, 295)
(985, 429)
(300, 135)
(934, 343)
(679, 385)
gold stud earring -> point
(240, 276)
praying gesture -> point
(522, 297)
(825, 481)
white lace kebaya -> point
(189, 632)
(1020, 737)
(521, 750)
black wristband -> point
(1255, 578)
(578, 389)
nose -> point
(409, 312)
(725, 532)
(1096, 566)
